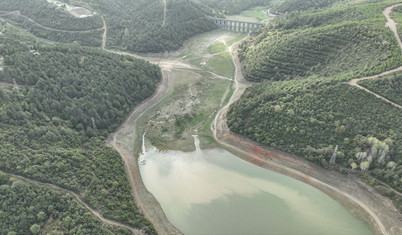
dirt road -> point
(391, 23)
(94, 212)
(349, 190)
(354, 194)
(392, 26)
(123, 140)
(51, 29)
(355, 82)
(104, 35)
(164, 12)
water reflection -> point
(214, 192)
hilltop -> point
(302, 103)
(344, 42)
(57, 105)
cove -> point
(215, 192)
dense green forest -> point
(54, 23)
(389, 87)
(310, 117)
(283, 6)
(50, 15)
(347, 42)
(303, 104)
(27, 206)
(47, 132)
(137, 25)
(231, 7)
(90, 38)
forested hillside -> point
(51, 22)
(27, 206)
(311, 117)
(231, 7)
(344, 42)
(317, 51)
(283, 6)
(389, 87)
(52, 124)
(50, 15)
(137, 25)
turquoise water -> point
(214, 192)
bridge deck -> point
(236, 25)
(237, 21)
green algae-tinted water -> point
(214, 192)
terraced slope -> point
(389, 87)
(310, 116)
(344, 42)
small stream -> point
(214, 192)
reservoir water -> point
(215, 192)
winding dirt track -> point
(52, 29)
(381, 213)
(354, 194)
(104, 36)
(78, 198)
(123, 140)
(164, 12)
(392, 26)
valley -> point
(199, 95)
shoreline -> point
(122, 140)
(360, 199)
(375, 210)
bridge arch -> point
(236, 25)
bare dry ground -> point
(375, 210)
(351, 191)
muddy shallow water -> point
(214, 192)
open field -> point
(256, 14)
(194, 95)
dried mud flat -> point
(123, 141)
(375, 210)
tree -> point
(364, 166)
(35, 229)
(41, 216)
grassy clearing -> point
(188, 105)
(216, 48)
(222, 64)
(255, 14)
(195, 96)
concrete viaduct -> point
(236, 25)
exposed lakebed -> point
(215, 192)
